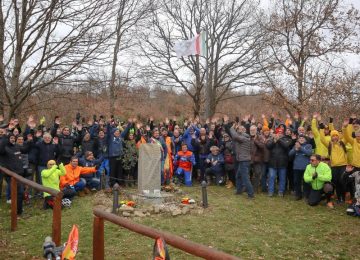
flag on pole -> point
(71, 247)
(193, 46)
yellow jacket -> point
(338, 156)
(354, 144)
(320, 149)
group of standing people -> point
(306, 158)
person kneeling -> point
(51, 179)
(318, 174)
(71, 183)
(216, 162)
(184, 160)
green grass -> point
(264, 228)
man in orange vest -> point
(184, 160)
(72, 183)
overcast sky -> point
(353, 60)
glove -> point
(331, 120)
(42, 120)
(321, 126)
(315, 176)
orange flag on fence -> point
(160, 251)
(72, 244)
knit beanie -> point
(333, 133)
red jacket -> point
(185, 160)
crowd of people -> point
(307, 159)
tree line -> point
(291, 52)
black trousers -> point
(116, 171)
(316, 196)
(336, 173)
(301, 188)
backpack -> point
(228, 158)
(353, 210)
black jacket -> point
(46, 152)
(279, 152)
(202, 146)
(12, 156)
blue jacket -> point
(220, 161)
(177, 144)
(103, 147)
(115, 144)
(87, 163)
(301, 157)
(187, 137)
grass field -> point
(264, 228)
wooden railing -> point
(56, 224)
(173, 240)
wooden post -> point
(98, 239)
(56, 225)
(13, 204)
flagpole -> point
(207, 85)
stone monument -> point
(149, 167)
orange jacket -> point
(73, 175)
(140, 142)
(185, 160)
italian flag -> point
(193, 46)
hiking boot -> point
(251, 197)
(281, 194)
(347, 196)
(270, 194)
(208, 180)
(297, 198)
(230, 185)
(330, 205)
(340, 201)
(87, 191)
(81, 193)
(108, 190)
(238, 192)
(349, 202)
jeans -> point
(202, 166)
(264, 177)
(243, 178)
(70, 191)
(8, 187)
(105, 166)
(91, 181)
(187, 176)
(273, 172)
(219, 175)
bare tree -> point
(129, 15)
(44, 42)
(233, 46)
(305, 41)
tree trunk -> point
(112, 94)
